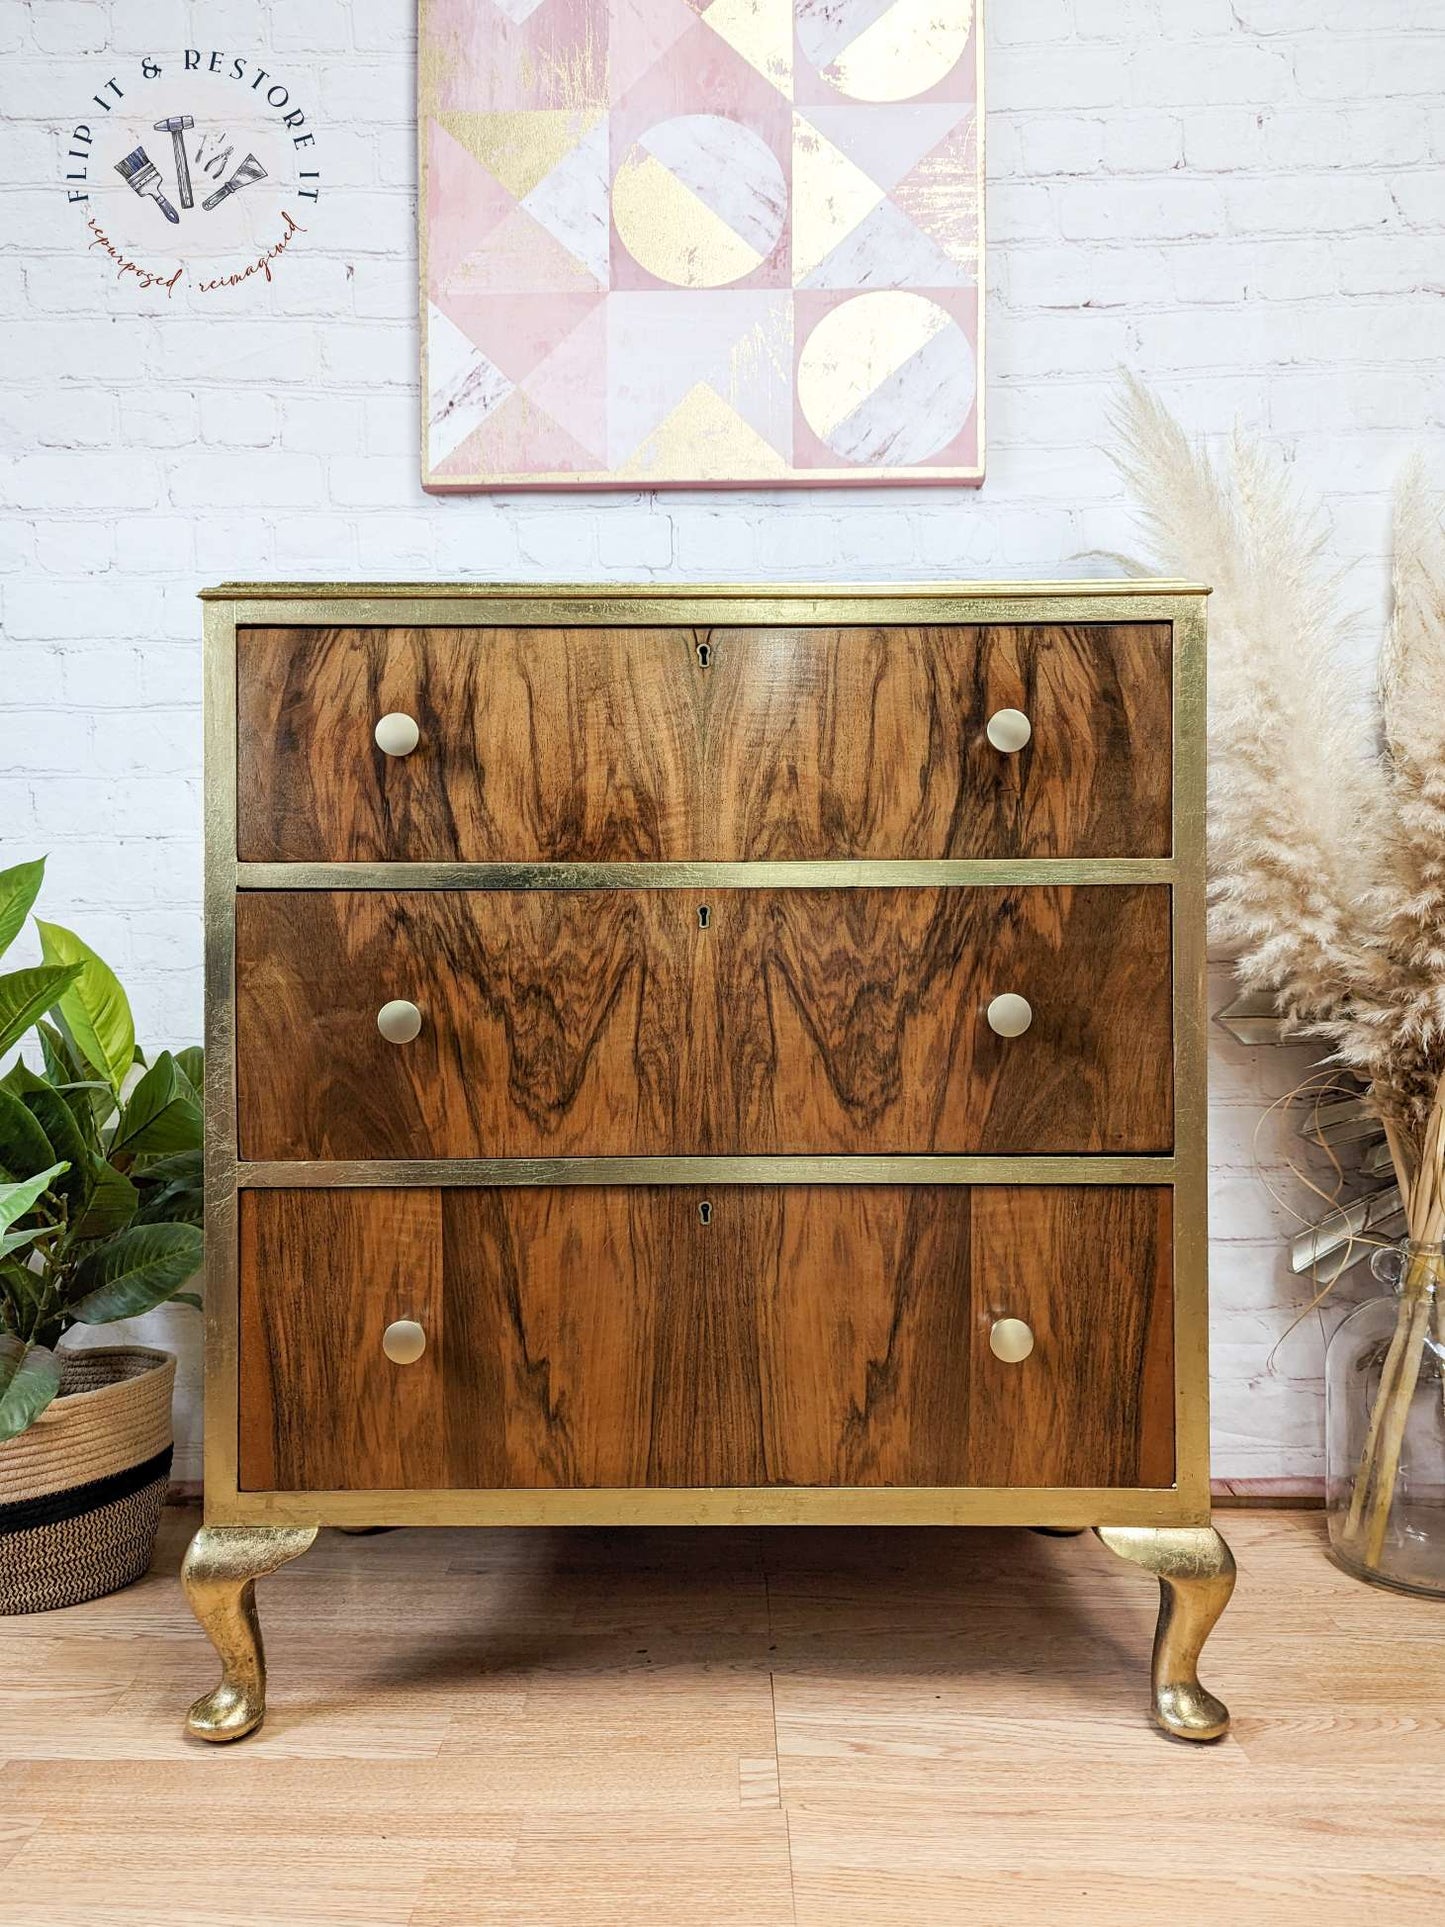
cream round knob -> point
(403, 1342)
(398, 1021)
(1010, 1339)
(1010, 1015)
(1009, 730)
(397, 734)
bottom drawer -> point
(739, 1335)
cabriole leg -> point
(1195, 1570)
(220, 1571)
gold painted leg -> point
(220, 1571)
(1195, 1570)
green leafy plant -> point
(100, 1158)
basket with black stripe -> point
(81, 1489)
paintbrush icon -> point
(144, 177)
(249, 170)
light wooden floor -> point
(784, 1729)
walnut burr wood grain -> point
(603, 745)
(802, 1335)
(322, 1276)
(613, 1023)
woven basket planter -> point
(81, 1491)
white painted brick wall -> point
(1240, 199)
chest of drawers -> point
(709, 1057)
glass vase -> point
(1385, 1426)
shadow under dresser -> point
(709, 1056)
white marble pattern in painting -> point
(463, 386)
(886, 250)
(917, 411)
(730, 169)
(886, 142)
(827, 27)
(517, 10)
(887, 378)
(571, 202)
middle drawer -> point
(709, 1023)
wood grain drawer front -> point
(671, 1022)
(802, 1336)
(604, 745)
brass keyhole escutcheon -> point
(704, 1212)
(704, 655)
(704, 916)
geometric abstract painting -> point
(683, 243)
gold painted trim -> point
(862, 874)
(426, 1173)
(1191, 1018)
(762, 1505)
(221, 1296)
(1127, 588)
(483, 605)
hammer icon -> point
(176, 127)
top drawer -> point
(632, 745)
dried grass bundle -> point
(1326, 818)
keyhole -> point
(704, 1211)
(704, 654)
(704, 916)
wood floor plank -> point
(1071, 1825)
(15, 1833)
(615, 1869)
(125, 1879)
(1114, 1900)
(635, 1736)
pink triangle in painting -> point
(519, 440)
(521, 257)
(517, 332)
(571, 384)
(639, 33)
(465, 204)
(702, 68)
(886, 141)
(939, 196)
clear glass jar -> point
(1385, 1426)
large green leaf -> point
(17, 1199)
(18, 1240)
(88, 1096)
(26, 995)
(94, 1008)
(184, 1166)
(29, 1379)
(162, 1114)
(57, 1120)
(111, 1204)
(19, 887)
(90, 1104)
(191, 1062)
(21, 1286)
(21, 1079)
(63, 1063)
(179, 1203)
(24, 1147)
(135, 1271)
